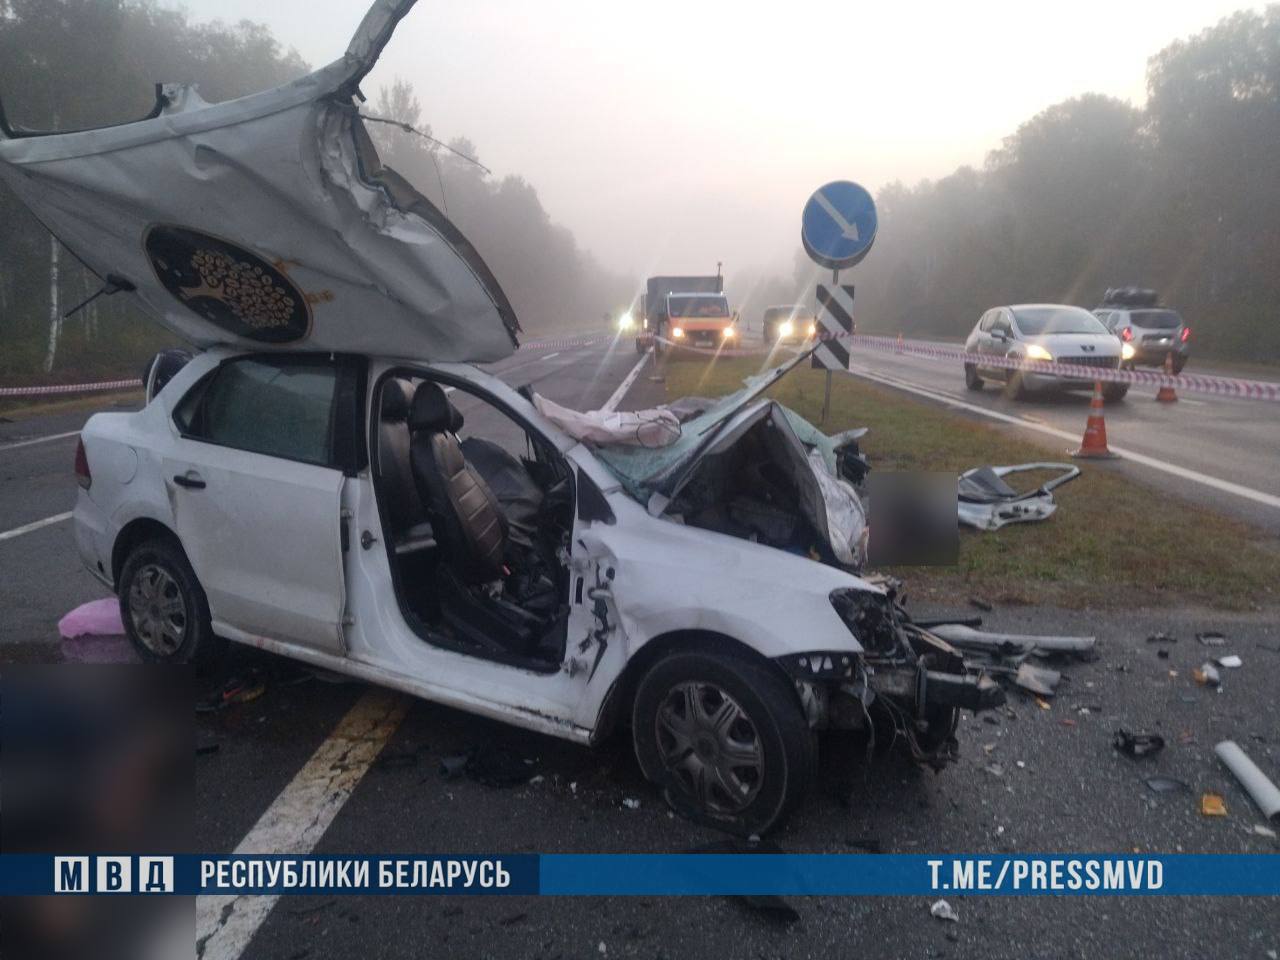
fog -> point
(668, 136)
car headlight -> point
(1037, 352)
(677, 332)
(626, 322)
(813, 329)
(1127, 351)
(729, 333)
(786, 328)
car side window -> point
(280, 406)
(985, 323)
(1000, 323)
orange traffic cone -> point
(1094, 444)
(1165, 394)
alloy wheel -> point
(158, 610)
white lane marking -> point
(1226, 486)
(29, 443)
(299, 817)
(35, 525)
(550, 355)
(623, 387)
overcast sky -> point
(669, 135)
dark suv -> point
(1149, 331)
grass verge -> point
(1112, 543)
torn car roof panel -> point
(268, 221)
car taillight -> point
(1126, 334)
(83, 477)
(1186, 334)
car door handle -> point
(191, 480)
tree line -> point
(71, 64)
(1182, 196)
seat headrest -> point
(432, 409)
(397, 395)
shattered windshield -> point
(1038, 321)
(698, 307)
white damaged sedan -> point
(331, 479)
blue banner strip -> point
(647, 874)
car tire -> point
(1179, 361)
(1014, 387)
(971, 378)
(1114, 392)
(164, 608)
(693, 761)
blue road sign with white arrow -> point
(838, 225)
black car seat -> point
(410, 531)
(470, 527)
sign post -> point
(837, 229)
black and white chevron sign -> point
(835, 319)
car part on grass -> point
(1212, 804)
(969, 638)
(1137, 745)
(986, 502)
(657, 427)
(1257, 784)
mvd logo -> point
(112, 874)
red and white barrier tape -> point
(60, 388)
(1191, 382)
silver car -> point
(1047, 332)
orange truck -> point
(686, 310)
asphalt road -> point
(1237, 441)
(1029, 780)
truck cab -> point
(700, 319)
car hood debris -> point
(988, 503)
(267, 221)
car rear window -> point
(1156, 319)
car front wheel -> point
(725, 738)
(163, 606)
(1114, 392)
(971, 378)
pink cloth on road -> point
(99, 618)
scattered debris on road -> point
(1166, 785)
(1212, 805)
(1211, 638)
(944, 911)
(1161, 637)
(1230, 662)
(1137, 745)
(1207, 675)
(489, 765)
(1257, 784)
